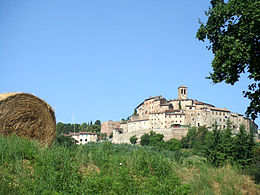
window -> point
(198, 124)
(80, 140)
(86, 140)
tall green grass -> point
(27, 167)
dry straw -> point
(26, 115)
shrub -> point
(152, 139)
(65, 140)
(173, 145)
(133, 139)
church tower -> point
(182, 93)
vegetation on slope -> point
(27, 167)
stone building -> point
(161, 115)
(108, 127)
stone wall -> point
(176, 133)
(108, 127)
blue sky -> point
(99, 59)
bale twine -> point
(26, 115)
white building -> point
(84, 137)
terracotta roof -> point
(138, 120)
(80, 133)
(202, 103)
(165, 104)
(175, 113)
(157, 112)
(219, 109)
(172, 110)
(182, 87)
(150, 98)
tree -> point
(135, 112)
(244, 147)
(133, 139)
(98, 122)
(152, 139)
(233, 33)
(173, 145)
(83, 126)
(65, 140)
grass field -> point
(27, 167)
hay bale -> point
(26, 115)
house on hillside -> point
(84, 137)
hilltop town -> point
(173, 117)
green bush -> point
(221, 147)
(133, 139)
(152, 139)
(173, 145)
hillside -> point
(27, 167)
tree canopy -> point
(233, 29)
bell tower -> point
(182, 93)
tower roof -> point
(182, 87)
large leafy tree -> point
(233, 32)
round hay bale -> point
(26, 115)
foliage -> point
(233, 33)
(221, 147)
(194, 134)
(156, 141)
(95, 168)
(206, 179)
(173, 145)
(133, 139)
(63, 128)
(65, 140)
(152, 139)
(104, 168)
(103, 136)
(135, 112)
